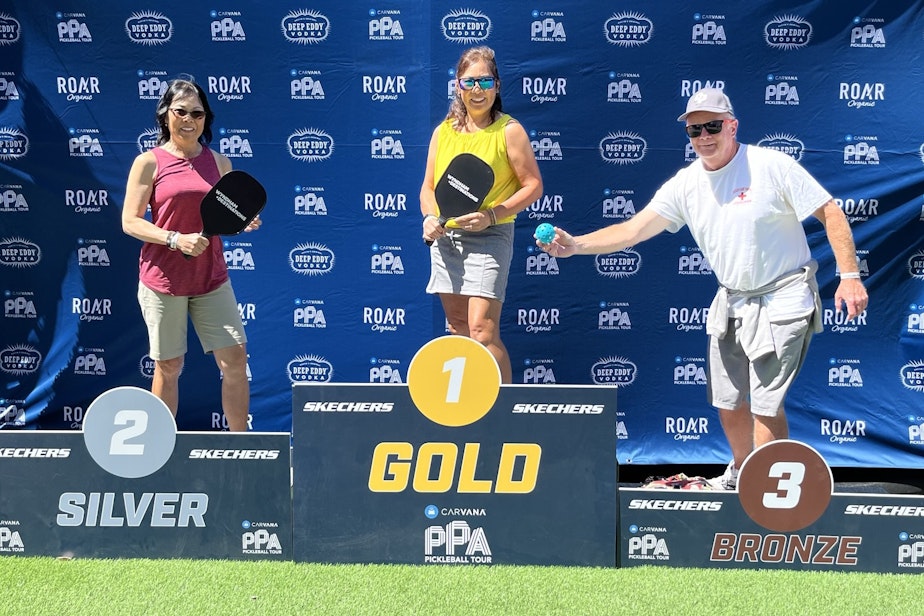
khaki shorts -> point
(733, 378)
(215, 317)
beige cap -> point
(708, 99)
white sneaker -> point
(727, 480)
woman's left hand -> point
(476, 221)
(254, 224)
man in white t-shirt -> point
(744, 206)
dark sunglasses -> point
(713, 127)
(182, 113)
(485, 83)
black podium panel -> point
(217, 495)
(533, 481)
(785, 514)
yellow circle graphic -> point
(453, 380)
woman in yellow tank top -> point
(470, 256)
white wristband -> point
(850, 275)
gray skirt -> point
(469, 263)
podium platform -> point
(787, 514)
(130, 486)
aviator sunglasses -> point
(182, 113)
(713, 127)
(485, 83)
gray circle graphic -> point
(129, 432)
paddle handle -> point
(442, 224)
(188, 257)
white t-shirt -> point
(747, 219)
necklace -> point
(185, 157)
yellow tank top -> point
(489, 145)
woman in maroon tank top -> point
(182, 274)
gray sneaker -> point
(727, 480)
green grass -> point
(45, 586)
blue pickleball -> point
(545, 233)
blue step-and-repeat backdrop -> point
(331, 104)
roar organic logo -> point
(149, 28)
(466, 26)
(305, 27)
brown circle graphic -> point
(785, 485)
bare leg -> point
(235, 388)
(738, 425)
(768, 429)
(166, 382)
(746, 432)
(484, 325)
(479, 319)
(456, 309)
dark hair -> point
(457, 109)
(181, 88)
